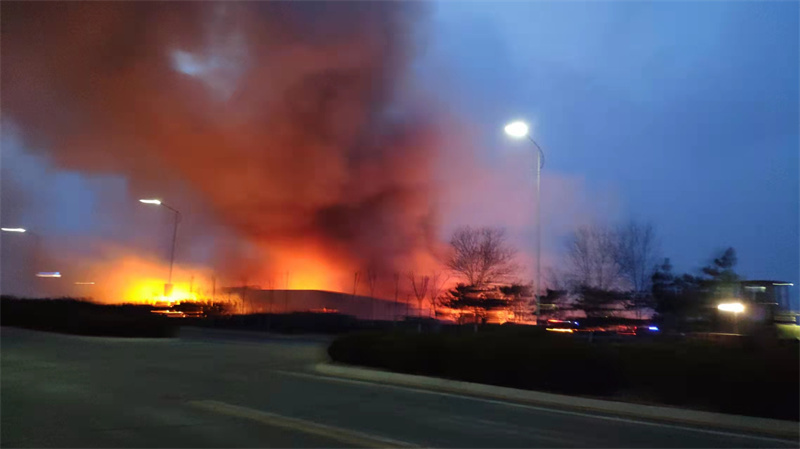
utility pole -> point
(396, 294)
(355, 283)
(286, 294)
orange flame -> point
(151, 291)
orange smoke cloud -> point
(288, 121)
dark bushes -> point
(72, 316)
(741, 379)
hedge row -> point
(745, 379)
(71, 316)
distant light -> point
(150, 201)
(517, 129)
(84, 283)
(653, 328)
(555, 329)
(734, 307)
(775, 283)
(13, 229)
(48, 274)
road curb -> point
(717, 421)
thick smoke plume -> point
(289, 120)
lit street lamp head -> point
(517, 129)
(12, 229)
(156, 202)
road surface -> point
(223, 389)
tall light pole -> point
(168, 287)
(519, 130)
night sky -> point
(685, 112)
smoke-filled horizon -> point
(290, 122)
(299, 140)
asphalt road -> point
(223, 389)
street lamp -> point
(735, 308)
(168, 287)
(518, 130)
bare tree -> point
(437, 283)
(612, 266)
(481, 255)
(636, 254)
(420, 286)
(591, 257)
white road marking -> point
(347, 436)
(538, 408)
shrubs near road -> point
(744, 378)
(71, 316)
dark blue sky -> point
(687, 111)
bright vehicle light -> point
(555, 329)
(652, 328)
(48, 274)
(150, 201)
(13, 229)
(517, 129)
(735, 307)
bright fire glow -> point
(555, 329)
(151, 291)
(308, 280)
(735, 307)
(304, 268)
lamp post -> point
(518, 130)
(168, 287)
